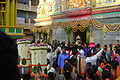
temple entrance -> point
(81, 34)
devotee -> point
(49, 58)
(93, 58)
(61, 59)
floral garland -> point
(71, 24)
(97, 25)
(23, 41)
(74, 29)
(56, 25)
(82, 29)
(104, 29)
(85, 23)
(74, 24)
(112, 28)
(38, 45)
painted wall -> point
(60, 34)
(98, 36)
(46, 7)
(95, 35)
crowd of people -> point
(79, 61)
(83, 61)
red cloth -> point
(79, 53)
(102, 65)
(83, 73)
(98, 73)
(118, 72)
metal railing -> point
(26, 7)
(26, 25)
(34, 8)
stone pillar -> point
(88, 34)
(91, 33)
(71, 37)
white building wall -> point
(104, 37)
(60, 34)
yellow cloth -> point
(118, 78)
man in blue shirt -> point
(61, 59)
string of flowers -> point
(97, 25)
(112, 28)
(85, 23)
(82, 29)
(38, 45)
(24, 39)
(74, 29)
(104, 28)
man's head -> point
(98, 45)
(63, 51)
(105, 47)
(48, 50)
(88, 65)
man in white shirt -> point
(92, 59)
(50, 58)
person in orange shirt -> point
(118, 72)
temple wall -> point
(60, 34)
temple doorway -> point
(81, 34)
